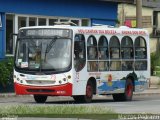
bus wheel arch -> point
(133, 81)
(94, 83)
(129, 88)
(90, 91)
(128, 92)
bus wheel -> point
(78, 98)
(89, 94)
(40, 98)
(127, 95)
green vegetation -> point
(58, 111)
(6, 71)
(155, 64)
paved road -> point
(140, 104)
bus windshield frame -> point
(43, 53)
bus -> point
(80, 62)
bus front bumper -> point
(59, 90)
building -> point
(150, 19)
(16, 14)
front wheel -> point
(127, 95)
(40, 98)
(89, 94)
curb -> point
(3, 95)
(139, 94)
(8, 95)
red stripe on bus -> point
(60, 90)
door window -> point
(79, 52)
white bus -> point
(64, 60)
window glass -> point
(85, 22)
(9, 30)
(92, 66)
(126, 42)
(92, 54)
(127, 53)
(140, 42)
(79, 52)
(115, 66)
(140, 48)
(52, 21)
(36, 54)
(127, 48)
(114, 42)
(92, 48)
(103, 48)
(103, 66)
(127, 65)
(32, 21)
(114, 47)
(64, 20)
(75, 22)
(141, 65)
(21, 22)
(41, 21)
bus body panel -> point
(108, 82)
(60, 90)
(80, 82)
(43, 84)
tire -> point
(78, 98)
(40, 98)
(85, 98)
(127, 95)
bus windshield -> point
(37, 54)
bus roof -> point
(97, 29)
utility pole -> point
(139, 13)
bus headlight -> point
(69, 77)
(60, 82)
(21, 81)
(64, 79)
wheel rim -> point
(129, 90)
(89, 91)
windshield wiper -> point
(49, 47)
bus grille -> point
(39, 90)
(40, 82)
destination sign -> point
(44, 32)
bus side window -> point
(79, 52)
(141, 65)
(103, 48)
(127, 65)
(127, 48)
(140, 48)
(92, 54)
(77, 49)
(140, 53)
(92, 66)
(114, 47)
(115, 66)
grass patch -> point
(63, 111)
